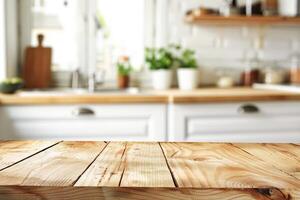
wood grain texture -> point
(145, 166)
(108, 168)
(242, 20)
(84, 193)
(238, 94)
(202, 95)
(196, 165)
(285, 157)
(58, 166)
(82, 99)
(128, 170)
(12, 152)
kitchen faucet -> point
(76, 79)
(92, 82)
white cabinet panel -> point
(106, 122)
(271, 122)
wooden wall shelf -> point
(243, 20)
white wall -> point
(2, 41)
(226, 46)
(12, 37)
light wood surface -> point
(107, 169)
(203, 95)
(12, 152)
(57, 166)
(82, 99)
(36, 71)
(285, 157)
(242, 20)
(109, 193)
(223, 166)
(146, 167)
(127, 170)
(231, 95)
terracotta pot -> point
(123, 81)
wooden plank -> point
(60, 165)
(107, 169)
(12, 152)
(240, 20)
(145, 166)
(285, 157)
(109, 98)
(196, 165)
(99, 193)
(205, 95)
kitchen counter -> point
(169, 96)
(126, 170)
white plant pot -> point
(161, 79)
(188, 79)
(288, 8)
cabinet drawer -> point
(84, 122)
(236, 122)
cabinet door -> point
(235, 122)
(84, 122)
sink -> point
(69, 91)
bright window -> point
(86, 36)
(2, 41)
(120, 31)
(60, 22)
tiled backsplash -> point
(227, 46)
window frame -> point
(3, 69)
(88, 12)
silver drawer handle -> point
(83, 112)
(248, 109)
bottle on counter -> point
(270, 7)
(294, 63)
(295, 71)
(251, 74)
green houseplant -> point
(160, 61)
(188, 76)
(11, 85)
(124, 69)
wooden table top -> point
(136, 170)
(202, 95)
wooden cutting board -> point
(37, 66)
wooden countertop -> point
(128, 170)
(112, 98)
(204, 95)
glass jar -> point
(251, 74)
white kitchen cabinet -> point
(235, 122)
(140, 122)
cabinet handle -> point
(83, 112)
(248, 109)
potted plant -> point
(188, 76)
(160, 62)
(124, 70)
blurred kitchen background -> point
(92, 35)
(177, 70)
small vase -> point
(188, 79)
(123, 81)
(161, 79)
